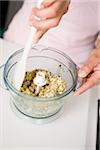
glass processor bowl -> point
(41, 58)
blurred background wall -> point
(7, 11)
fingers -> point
(43, 13)
(85, 70)
(93, 80)
(97, 43)
(90, 71)
(88, 67)
(47, 3)
(58, 6)
(49, 12)
(45, 24)
(38, 35)
(97, 68)
(49, 16)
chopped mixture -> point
(54, 85)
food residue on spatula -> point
(53, 85)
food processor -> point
(36, 109)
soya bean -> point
(31, 89)
(54, 86)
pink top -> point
(75, 35)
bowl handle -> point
(80, 81)
(2, 83)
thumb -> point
(47, 3)
(88, 67)
(38, 35)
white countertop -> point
(74, 130)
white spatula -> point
(21, 66)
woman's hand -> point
(50, 14)
(90, 71)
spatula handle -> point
(33, 29)
(32, 34)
